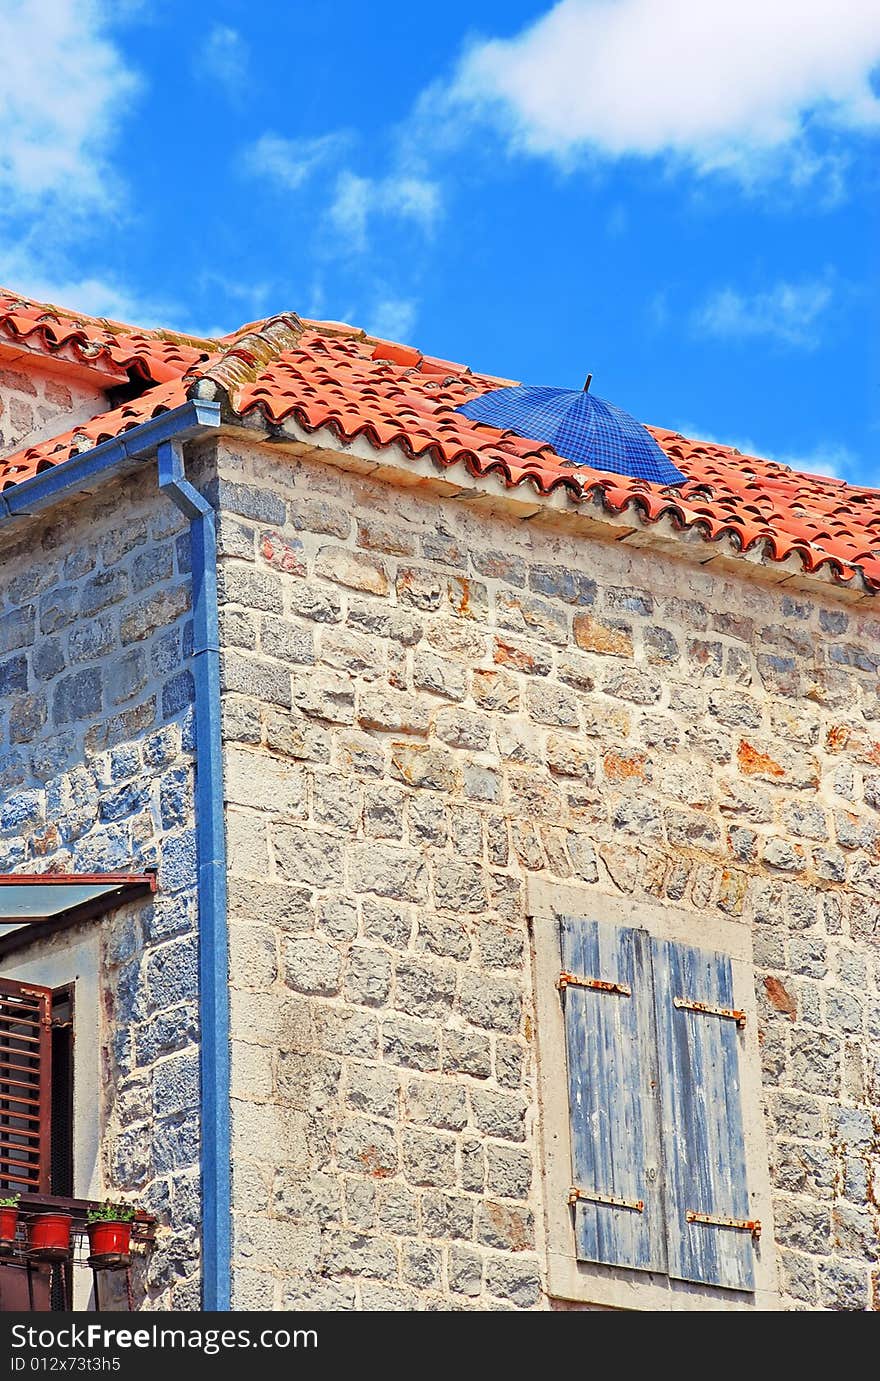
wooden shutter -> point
(704, 1147)
(614, 1137)
(25, 1074)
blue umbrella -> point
(580, 427)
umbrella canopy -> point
(580, 427)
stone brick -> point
(527, 614)
(312, 965)
(505, 1227)
(447, 1215)
(518, 655)
(156, 611)
(398, 713)
(285, 641)
(610, 638)
(508, 1171)
(467, 1052)
(515, 1279)
(436, 674)
(465, 1271)
(75, 697)
(296, 737)
(388, 870)
(500, 566)
(421, 588)
(459, 886)
(438, 1103)
(317, 515)
(368, 976)
(353, 569)
(308, 856)
(429, 1158)
(499, 1114)
(373, 1089)
(560, 582)
(415, 1044)
(462, 728)
(423, 988)
(366, 1146)
(324, 694)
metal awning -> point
(33, 905)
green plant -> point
(11, 1201)
(111, 1213)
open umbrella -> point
(580, 427)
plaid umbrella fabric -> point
(579, 426)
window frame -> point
(614, 1287)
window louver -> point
(25, 1087)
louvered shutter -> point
(25, 1074)
(703, 1141)
(613, 1111)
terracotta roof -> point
(326, 375)
(155, 356)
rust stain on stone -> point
(594, 636)
(837, 738)
(371, 1159)
(620, 769)
(751, 761)
(516, 657)
(780, 997)
(460, 596)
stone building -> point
(372, 761)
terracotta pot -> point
(8, 1224)
(109, 1239)
(49, 1236)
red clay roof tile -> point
(324, 375)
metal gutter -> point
(183, 423)
(213, 931)
(164, 435)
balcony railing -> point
(30, 1281)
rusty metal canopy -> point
(38, 904)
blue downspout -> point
(213, 937)
(165, 434)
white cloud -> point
(789, 313)
(48, 277)
(404, 196)
(828, 458)
(393, 318)
(224, 59)
(64, 94)
(734, 88)
(290, 162)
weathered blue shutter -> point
(703, 1143)
(610, 1049)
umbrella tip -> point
(587, 384)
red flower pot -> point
(49, 1236)
(8, 1224)
(109, 1242)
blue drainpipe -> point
(165, 434)
(213, 936)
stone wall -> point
(424, 704)
(95, 775)
(36, 402)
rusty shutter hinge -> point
(599, 985)
(588, 1196)
(752, 1225)
(731, 1013)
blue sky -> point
(680, 197)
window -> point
(25, 1088)
(656, 1178)
(36, 1089)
